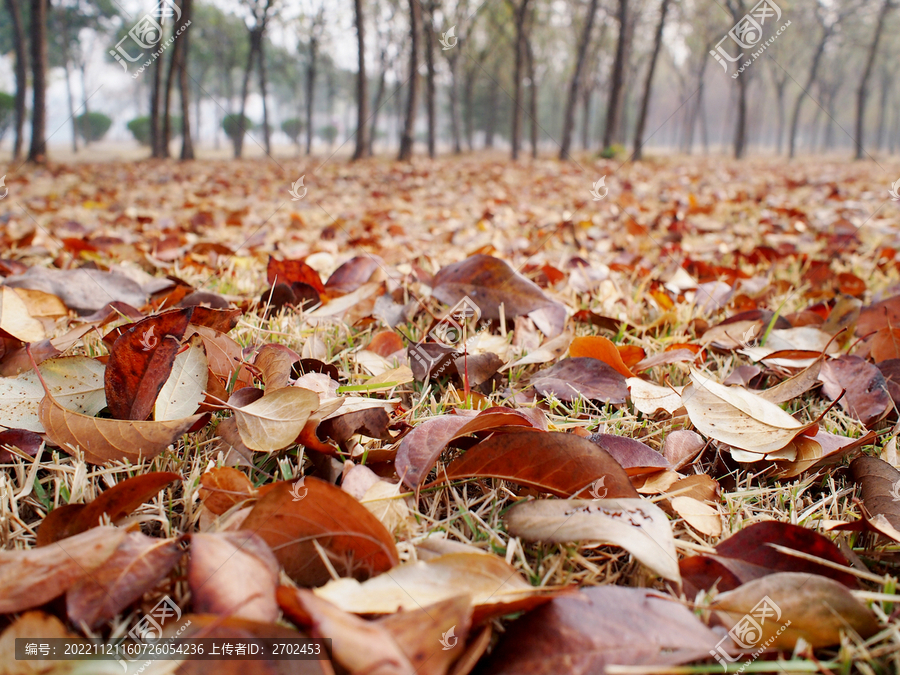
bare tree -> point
(187, 142)
(532, 98)
(738, 9)
(409, 127)
(617, 79)
(575, 82)
(362, 92)
(428, 10)
(15, 13)
(260, 13)
(177, 68)
(38, 150)
(452, 54)
(316, 32)
(862, 94)
(520, 13)
(648, 84)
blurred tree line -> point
(610, 76)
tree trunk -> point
(187, 142)
(520, 11)
(779, 97)
(156, 136)
(263, 90)
(310, 91)
(490, 127)
(72, 114)
(238, 139)
(412, 101)
(575, 84)
(430, 94)
(862, 93)
(38, 150)
(533, 101)
(648, 84)
(455, 117)
(19, 42)
(470, 113)
(810, 80)
(617, 79)
(886, 82)
(740, 129)
(379, 98)
(362, 94)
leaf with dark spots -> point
(632, 455)
(490, 282)
(136, 567)
(115, 503)
(561, 464)
(26, 441)
(289, 271)
(574, 378)
(353, 273)
(355, 542)
(866, 397)
(140, 362)
(420, 448)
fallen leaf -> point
(84, 289)
(598, 347)
(356, 543)
(819, 609)
(866, 397)
(637, 525)
(574, 378)
(76, 382)
(495, 587)
(275, 362)
(25, 441)
(290, 271)
(681, 447)
(598, 627)
(223, 488)
(561, 464)
(632, 455)
(137, 566)
(29, 578)
(650, 398)
(354, 273)
(815, 453)
(140, 362)
(233, 574)
(15, 319)
(702, 517)
(274, 421)
(114, 503)
(879, 484)
(182, 392)
(738, 417)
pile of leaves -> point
(470, 426)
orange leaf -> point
(600, 348)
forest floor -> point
(623, 424)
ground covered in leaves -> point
(455, 416)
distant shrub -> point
(613, 151)
(328, 134)
(235, 126)
(140, 128)
(92, 126)
(293, 128)
(7, 112)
